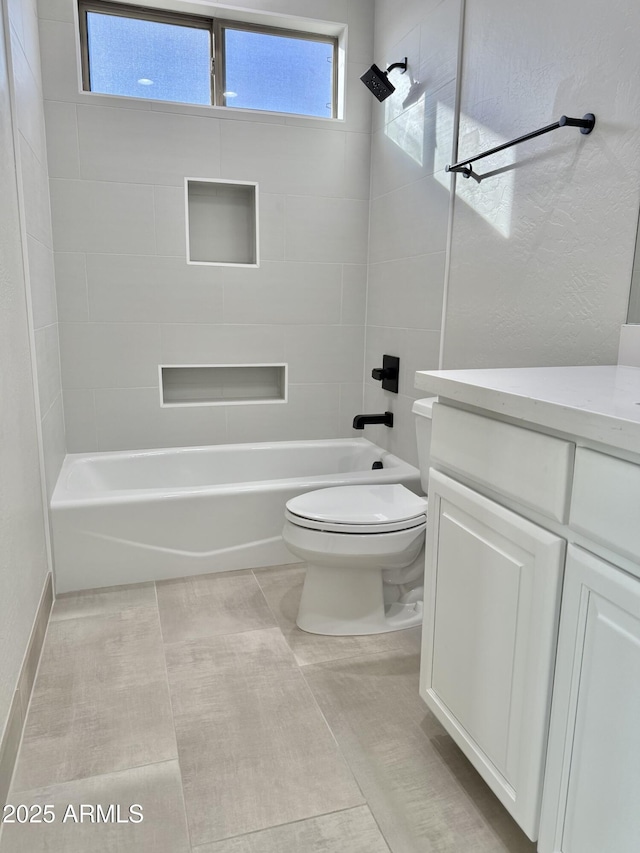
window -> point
(147, 53)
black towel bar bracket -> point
(586, 125)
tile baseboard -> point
(10, 740)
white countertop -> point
(598, 403)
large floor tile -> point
(282, 587)
(254, 749)
(100, 602)
(206, 605)
(352, 831)
(100, 702)
(422, 791)
(155, 787)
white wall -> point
(128, 301)
(542, 253)
(409, 204)
(33, 189)
(23, 553)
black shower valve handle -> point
(388, 374)
(380, 373)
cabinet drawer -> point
(605, 501)
(532, 468)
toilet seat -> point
(358, 509)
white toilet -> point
(364, 546)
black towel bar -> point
(586, 125)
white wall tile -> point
(313, 411)
(219, 113)
(42, 284)
(170, 221)
(318, 354)
(361, 29)
(357, 165)
(329, 230)
(206, 344)
(53, 443)
(314, 188)
(28, 99)
(324, 10)
(351, 404)
(407, 293)
(142, 146)
(354, 294)
(71, 286)
(109, 355)
(150, 289)
(48, 361)
(80, 420)
(132, 418)
(31, 38)
(281, 292)
(409, 221)
(284, 159)
(416, 144)
(59, 66)
(439, 35)
(271, 224)
(36, 197)
(55, 10)
(62, 139)
(90, 216)
(394, 19)
(14, 12)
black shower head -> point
(378, 82)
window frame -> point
(216, 28)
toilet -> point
(364, 549)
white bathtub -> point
(136, 516)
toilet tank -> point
(422, 410)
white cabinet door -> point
(492, 596)
(592, 782)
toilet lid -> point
(362, 509)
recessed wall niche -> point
(222, 384)
(222, 222)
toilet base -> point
(350, 602)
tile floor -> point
(200, 700)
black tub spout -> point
(360, 421)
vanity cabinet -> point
(492, 591)
(551, 454)
(592, 785)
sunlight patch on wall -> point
(492, 199)
(407, 131)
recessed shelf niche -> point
(222, 384)
(222, 222)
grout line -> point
(173, 719)
(333, 736)
(206, 844)
(270, 608)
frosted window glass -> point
(279, 73)
(149, 59)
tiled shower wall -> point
(410, 191)
(31, 164)
(128, 301)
